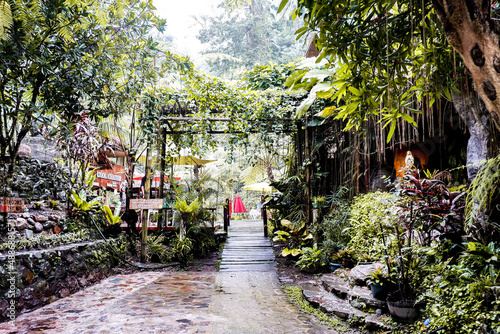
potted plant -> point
(345, 256)
(379, 283)
(402, 300)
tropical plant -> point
(437, 212)
(157, 250)
(53, 204)
(80, 203)
(112, 218)
(311, 258)
(186, 210)
(345, 254)
(84, 213)
(482, 206)
(379, 276)
(296, 237)
(182, 249)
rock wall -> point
(36, 180)
(34, 222)
(41, 277)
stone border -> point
(43, 276)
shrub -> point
(368, 214)
(157, 249)
(332, 230)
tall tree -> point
(473, 32)
(248, 33)
(383, 60)
(58, 60)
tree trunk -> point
(471, 31)
(477, 119)
(269, 170)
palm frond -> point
(5, 20)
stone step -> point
(357, 295)
(333, 305)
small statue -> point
(409, 161)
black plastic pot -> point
(379, 291)
(405, 311)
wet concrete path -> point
(244, 297)
(250, 298)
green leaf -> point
(391, 131)
(282, 5)
(355, 91)
(327, 112)
(408, 118)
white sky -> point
(181, 24)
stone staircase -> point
(344, 294)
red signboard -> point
(110, 178)
(8, 204)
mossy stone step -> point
(356, 295)
(331, 304)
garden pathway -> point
(244, 297)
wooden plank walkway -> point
(246, 248)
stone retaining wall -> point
(39, 277)
(34, 222)
(36, 180)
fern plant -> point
(482, 200)
(5, 20)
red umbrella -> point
(238, 205)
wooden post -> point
(163, 138)
(226, 215)
(264, 212)
(145, 216)
(264, 218)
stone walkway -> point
(234, 300)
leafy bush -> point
(182, 249)
(296, 237)
(157, 249)
(203, 240)
(463, 297)
(331, 231)
(311, 258)
(368, 214)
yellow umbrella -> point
(187, 160)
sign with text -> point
(9, 204)
(146, 204)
